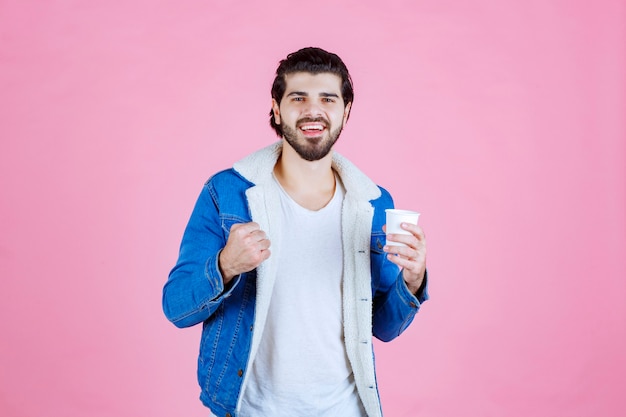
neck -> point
(310, 183)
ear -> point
(346, 112)
(276, 110)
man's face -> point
(311, 113)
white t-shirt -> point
(301, 367)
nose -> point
(312, 109)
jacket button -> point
(240, 372)
(412, 304)
(228, 415)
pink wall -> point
(502, 122)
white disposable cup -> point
(394, 220)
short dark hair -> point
(314, 61)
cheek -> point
(289, 116)
(340, 119)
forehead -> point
(323, 82)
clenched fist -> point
(246, 248)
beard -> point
(312, 149)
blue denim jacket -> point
(376, 299)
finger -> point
(258, 235)
(401, 261)
(408, 240)
(414, 229)
(406, 251)
(259, 257)
(263, 244)
(244, 228)
(409, 265)
(266, 253)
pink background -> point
(501, 121)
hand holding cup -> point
(406, 246)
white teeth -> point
(312, 127)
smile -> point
(312, 127)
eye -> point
(297, 98)
(328, 100)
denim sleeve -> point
(195, 287)
(395, 308)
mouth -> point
(312, 129)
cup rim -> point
(399, 211)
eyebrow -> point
(305, 94)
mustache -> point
(320, 120)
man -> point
(287, 330)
